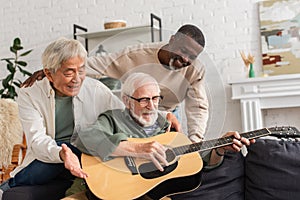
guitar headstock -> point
(284, 132)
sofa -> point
(270, 171)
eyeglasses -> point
(144, 101)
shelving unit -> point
(116, 38)
(108, 32)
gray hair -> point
(135, 81)
(61, 50)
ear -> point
(172, 39)
(48, 74)
(126, 101)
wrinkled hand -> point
(238, 142)
(38, 75)
(174, 123)
(153, 151)
(71, 162)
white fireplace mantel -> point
(256, 94)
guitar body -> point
(113, 179)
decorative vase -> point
(251, 71)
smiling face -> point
(67, 79)
(183, 50)
(145, 115)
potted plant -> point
(14, 65)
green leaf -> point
(7, 60)
(13, 50)
(18, 84)
(17, 48)
(13, 65)
(11, 68)
(22, 63)
(17, 42)
(26, 53)
(4, 96)
(12, 92)
(5, 82)
(11, 89)
(24, 72)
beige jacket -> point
(186, 84)
(37, 114)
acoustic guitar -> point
(129, 178)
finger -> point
(31, 83)
(83, 174)
(178, 128)
(238, 143)
(65, 147)
(245, 141)
(236, 148)
(160, 150)
(26, 83)
(40, 77)
(79, 173)
(156, 163)
(168, 129)
(236, 135)
(162, 159)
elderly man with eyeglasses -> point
(108, 137)
(140, 119)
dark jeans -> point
(38, 172)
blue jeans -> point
(38, 172)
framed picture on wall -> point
(280, 36)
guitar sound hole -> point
(171, 157)
(149, 170)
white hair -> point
(135, 81)
(61, 50)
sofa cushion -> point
(224, 182)
(272, 170)
(51, 191)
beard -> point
(173, 60)
(171, 64)
(153, 114)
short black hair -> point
(193, 32)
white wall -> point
(229, 26)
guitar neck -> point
(220, 142)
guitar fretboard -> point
(210, 144)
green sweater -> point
(114, 126)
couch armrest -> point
(272, 170)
